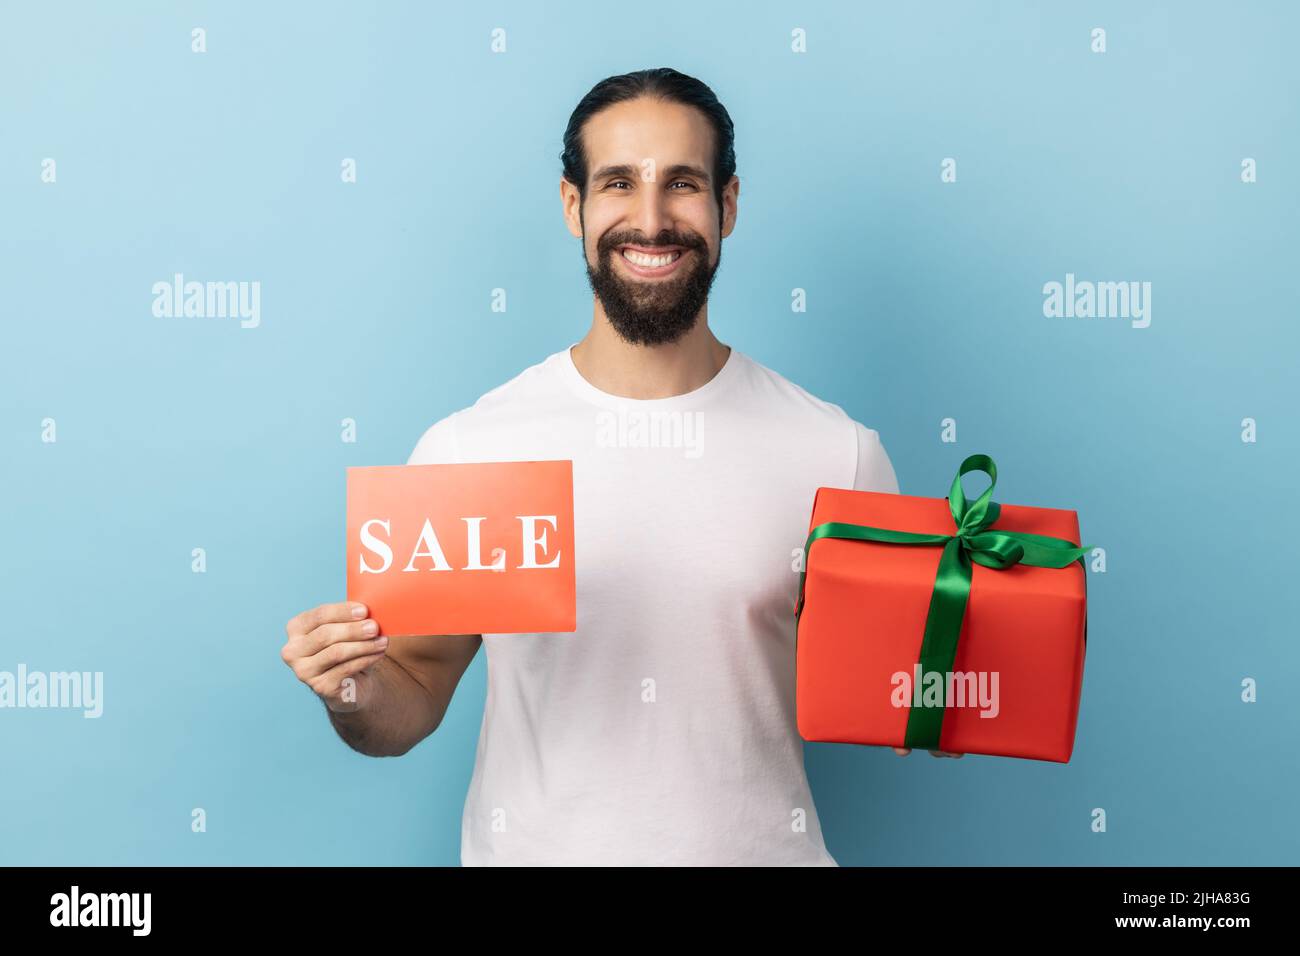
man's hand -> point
(904, 751)
(329, 644)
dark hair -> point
(663, 83)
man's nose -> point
(651, 216)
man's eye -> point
(624, 182)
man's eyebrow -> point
(633, 172)
(685, 169)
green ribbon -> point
(973, 541)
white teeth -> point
(650, 262)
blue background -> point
(925, 301)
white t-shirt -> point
(662, 731)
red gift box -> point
(868, 607)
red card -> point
(463, 548)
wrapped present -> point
(940, 623)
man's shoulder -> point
(793, 398)
(522, 393)
(815, 421)
(535, 381)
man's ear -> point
(571, 205)
(730, 206)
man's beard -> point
(652, 311)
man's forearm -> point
(395, 715)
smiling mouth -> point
(651, 262)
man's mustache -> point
(611, 245)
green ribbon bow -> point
(973, 541)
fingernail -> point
(359, 611)
(382, 642)
(370, 627)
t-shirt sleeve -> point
(875, 470)
(437, 446)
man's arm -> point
(411, 688)
(383, 696)
(875, 471)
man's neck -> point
(617, 367)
